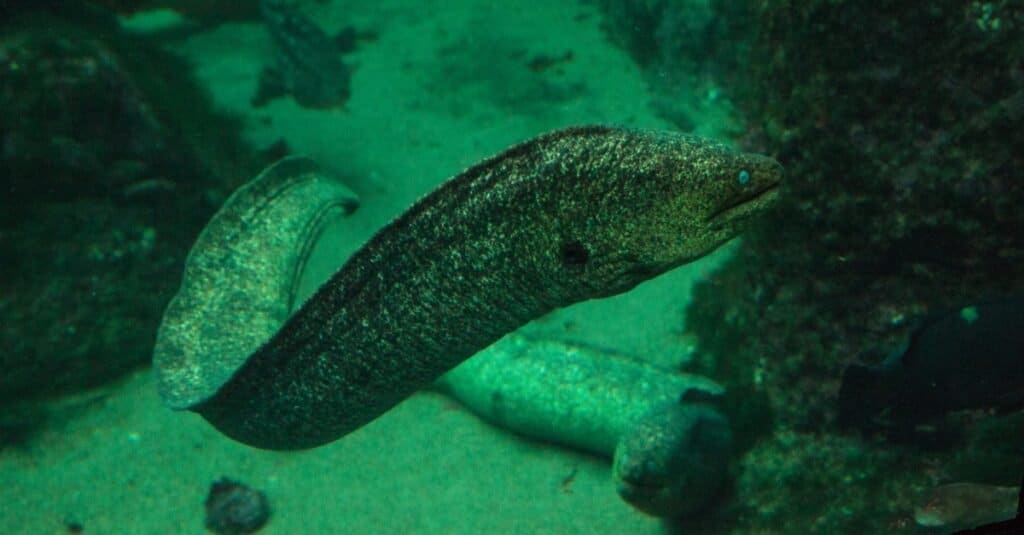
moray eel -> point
(673, 460)
(242, 275)
(307, 63)
(567, 216)
(669, 456)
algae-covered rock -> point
(112, 161)
(899, 126)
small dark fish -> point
(307, 64)
(966, 359)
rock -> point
(233, 508)
(112, 163)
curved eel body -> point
(241, 277)
(571, 215)
(669, 455)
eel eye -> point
(574, 254)
(743, 177)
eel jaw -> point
(649, 498)
(748, 205)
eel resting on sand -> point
(669, 454)
(567, 216)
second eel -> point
(669, 445)
(571, 215)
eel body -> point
(573, 395)
(673, 460)
(669, 455)
(307, 64)
(241, 277)
(571, 215)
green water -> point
(130, 123)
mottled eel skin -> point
(669, 445)
(571, 215)
(579, 396)
(241, 277)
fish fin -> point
(863, 393)
(271, 86)
(906, 353)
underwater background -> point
(125, 125)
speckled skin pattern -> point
(673, 460)
(571, 215)
(574, 395)
(240, 277)
(669, 456)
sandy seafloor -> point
(444, 84)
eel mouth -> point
(748, 205)
(640, 487)
(634, 493)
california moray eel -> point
(567, 216)
(241, 277)
(674, 459)
(670, 453)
